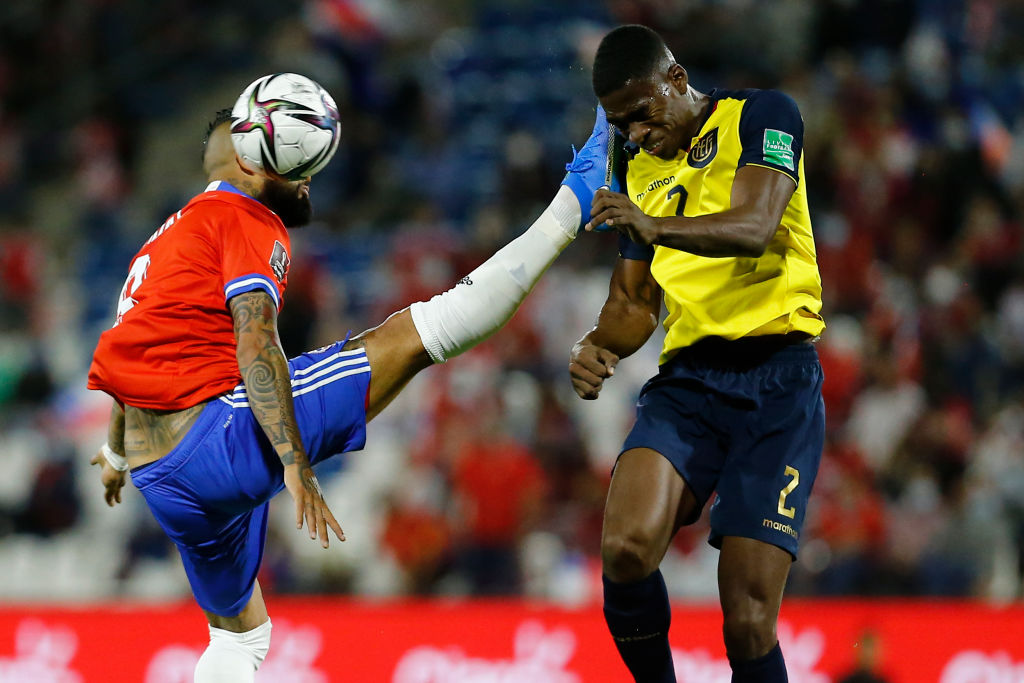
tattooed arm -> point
(264, 369)
(112, 480)
(115, 430)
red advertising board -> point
(317, 640)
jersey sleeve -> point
(772, 133)
(631, 250)
(255, 256)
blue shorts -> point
(211, 492)
(744, 419)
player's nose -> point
(638, 133)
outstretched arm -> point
(264, 370)
(626, 322)
(759, 198)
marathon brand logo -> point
(660, 182)
(704, 150)
(778, 526)
(279, 261)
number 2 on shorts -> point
(790, 487)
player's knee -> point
(627, 558)
(749, 628)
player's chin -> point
(664, 150)
(295, 209)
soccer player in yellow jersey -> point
(714, 220)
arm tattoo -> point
(115, 431)
(265, 372)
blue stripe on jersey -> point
(222, 186)
(250, 282)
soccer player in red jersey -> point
(210, 417)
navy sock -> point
(638, 616)
(770, 668)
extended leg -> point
(647, 500)
(238, 644)
(454, 321)
(751, 578)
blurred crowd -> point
(487, 476)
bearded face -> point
(289, 200)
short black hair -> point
(628, 52)
(222, 116)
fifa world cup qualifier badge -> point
(778, 148)
(279, 261)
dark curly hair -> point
(627, 52)
(222, 116)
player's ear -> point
(678, 77)
(241, 165)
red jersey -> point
(173, 343)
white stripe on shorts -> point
(355, 365)
(328, 359)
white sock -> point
(484, 300)
(233, 657)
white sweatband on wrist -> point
(486, 299)
(114, 459)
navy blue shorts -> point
(744, 419)
(211, 492)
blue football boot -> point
(595, 166)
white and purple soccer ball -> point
(285, 123)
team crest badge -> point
(704, 150)
(279, 261)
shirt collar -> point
(224, 186)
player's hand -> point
(589, 366)
(310, 505)
(617, 211)
(112, 480)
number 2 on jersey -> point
(790, 487)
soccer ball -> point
(285, 123)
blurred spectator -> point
(53, 505)
(884, 410)
(416, 532)
(499, 492)
(419, 540)
(868, 656)
(850, 518)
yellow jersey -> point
(731, 297)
